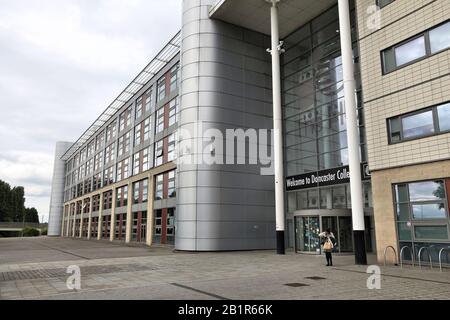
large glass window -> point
(444, 117)
(171, 185)
(160, 121)
(313, 108)
(440, 38)
(162, 88)
(159, 153)
(159, 187)
(148, 100)
(173, 109)
(417, 125)
(174, 78)
(420, 123)
(422, 210)
(419, 47)
(410, 51)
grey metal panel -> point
(225, 83)
(57, 194)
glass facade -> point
(314, 110)
(422, 215)
(315, 134)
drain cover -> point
(296, 285)
(315, 278)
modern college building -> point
(126, 178)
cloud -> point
(62, 63)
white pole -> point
(278, 131)
(352, 132)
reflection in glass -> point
(440, 38)
(427, 191)
(404, 231)
(429, 211)
(444, 116)
(403, 212)
(420, 124)
(431, 232)
(410, 51)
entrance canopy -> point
(255, 14)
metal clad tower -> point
(57, 195)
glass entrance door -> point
(307, 230)
(345, 234)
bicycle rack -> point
(401, 256)
(440, 257)
(429, 256)
(395, 253)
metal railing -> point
(440, 257)
(420, 255)
(395, 253)
(21, 225)
(401, 255)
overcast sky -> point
(61, 63)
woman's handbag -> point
(328, 245)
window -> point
(98, 161)
(417, 48)
(148, 100)
(162, 88)
(99, 141)
(90, 149)
(440, 38)
(123, 169)
(160, 121)
(159, 153)
(174, 78)
(107, 200)
(124, 144)
(142, 132)
(111, 132)
(173, 109)
(443, 112)
(140, 192)
(139, 107)
(171, 154)
(97, 181)
(137, 135)
(141, 161)
(159, 187)
(122, 197)
(125, 119)
(171, 185)
(109, 153)
(383, 3)
(108, 176)
(90, 167)
(410, 51)
(422, 210)
(147, 128)
(158, 226)
(420, 124)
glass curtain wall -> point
(314, 110)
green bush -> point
(30, 232)
(44, 232)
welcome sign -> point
(324, 178)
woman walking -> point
(328, 245)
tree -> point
(31, 215)
(12, 205)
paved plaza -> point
(37, 269)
